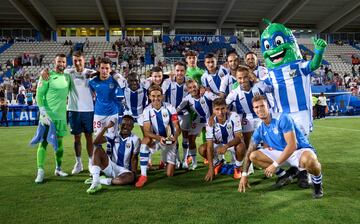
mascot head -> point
(278, 45)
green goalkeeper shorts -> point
(61, 127)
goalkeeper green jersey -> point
(52, 94)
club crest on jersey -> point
(276, 131)
(128, 145)
(221, 75)
(165, 115)
(229, 127)
(202, 101)
(111, 86)
(292, 73)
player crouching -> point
(162, 126)
(223, 133)
(119, 163)
(287, 147)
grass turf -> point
(184, 198)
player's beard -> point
(60, 68)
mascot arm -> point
(320, 46)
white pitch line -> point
(346, 129)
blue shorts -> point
(81, 122)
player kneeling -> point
(287, 147)
(162, 126)
(120, 158)
(223, 133)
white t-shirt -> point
(80, 97)
(322, 101)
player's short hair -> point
(219, 102)
(230, 52)
(191, 53)
(188, 82)
(243, 68)
(128, 117)
(250, 52)
(156, 69)
(78, 54)
(210, 55)
(154, 88)
(133, 74)
(105, 60)
(60, 55)
(258, 98)
(180, 63)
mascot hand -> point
(320, 44)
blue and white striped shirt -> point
(242, 100)
(122, 149)
(161, 119)
(202, 106)
(135, 101)
(291, 84)
(223, 133)
(213, 81)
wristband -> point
(275, 164)
(317, 51)
(244, 174)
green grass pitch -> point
(184, 198)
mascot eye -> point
(279, 40)
(267, 45)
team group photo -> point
(180, 111)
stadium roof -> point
(318, 15)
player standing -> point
(51, 96)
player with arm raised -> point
(106, 110)
(120, 162)
(80, 107)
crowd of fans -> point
(348, 82)
(131, 52)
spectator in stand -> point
(20, 98)
(9, 90)
(66, 43)
(2, 93)
(322, 105)
(29, 97)
(92, 62)
(70, 43)
(87, 43)
(4, 110)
